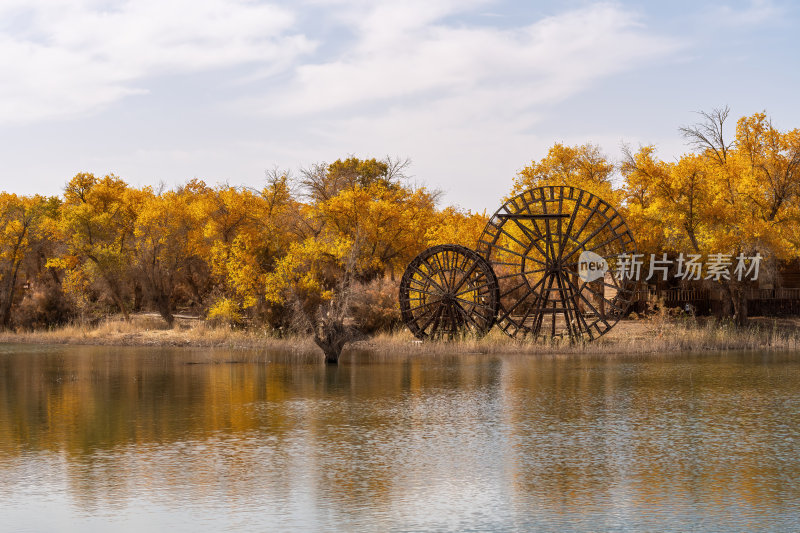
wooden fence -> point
(760, 302)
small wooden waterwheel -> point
(447, 291)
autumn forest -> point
(271, 257)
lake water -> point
(143, 439)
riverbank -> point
(627, 337)
(151, 330)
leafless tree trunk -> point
(331, 333)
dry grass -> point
(628, 337)
(147, 330)
(656, 335)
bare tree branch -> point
(709, 134)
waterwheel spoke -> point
(476, 304)
(485, 285)
(466, 275)
(572, 303)
(428, 276)
(522, 273)
(533, 241)
(589, 217)
(604, 225)
(440, 272)
(426, 304)
(598, 282)
(579, 292)
(424, 288)
(468, 317)
(531, 290)
(571, 223)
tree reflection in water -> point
(482, 441)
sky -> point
(471, 91)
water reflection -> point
(210, 440)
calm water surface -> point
(139, 439)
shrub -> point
(374, 305)
(44, 307)
(225, 311)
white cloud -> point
(404, 53)
(66, 58)
(755, 13)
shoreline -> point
(655, 335)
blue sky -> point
(470, 90)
